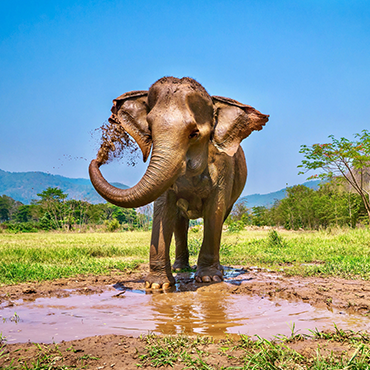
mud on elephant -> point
(197, 168)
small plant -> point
(235, 227)
(15, 318)
(275, 240)
(2, 338)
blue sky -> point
(306, 63)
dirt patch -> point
(123, 352)
(352, 296)
(62, 287)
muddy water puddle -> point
(208, 310)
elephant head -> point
(177, 119)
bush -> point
(21, 227)
(112, 225)
(235, 227)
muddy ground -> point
(123, 352)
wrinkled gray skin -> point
(197, 168)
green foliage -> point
(260, 216)
(235, 227)
(342, 159)
(4, 208)
(304, 208)
(275, 240)
(112, 225)
(194, 245)
(21, 227)
(7, 207)
(344, 253)
(24, 213)
(44, 256)
(196, 229)
(54, 212)
(250, 353)
(48, 256)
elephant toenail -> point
(147, 285)
(155, 286)
(206, 279)
(217, 278)
(166, 285)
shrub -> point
(275, 240)
(21, 227)
(235, 227)
(112, 225)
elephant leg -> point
(181, 239)
(160, 275)
(209, 268)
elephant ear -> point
(130, 111)
(234, 121)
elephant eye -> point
(194, 134)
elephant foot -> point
(157, 280)
(180, 265)
(209, 274)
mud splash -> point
(115, 142)
(198, 310)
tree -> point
(23, 213)
(342, 159)
(8, 206)
(125, 215)
(260, 216)
(53, 205)
(297, 207)
(4, 208)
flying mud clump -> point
(115, 142)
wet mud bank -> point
(250, 301)
(95, 322)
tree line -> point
(343, 198)
(305, 208)
(53, 211)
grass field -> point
(339, 253)
(47, 256)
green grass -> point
(245, 353)
(48, 256)
(328, 351)
(46, 358)
(342, 253)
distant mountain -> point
(267, 200)
(24, 186)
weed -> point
(275, 240)
(2, 338)
(88, 357)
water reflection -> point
(192, 312)
(205, 310)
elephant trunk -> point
(161, 173)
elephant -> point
(197, 169)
